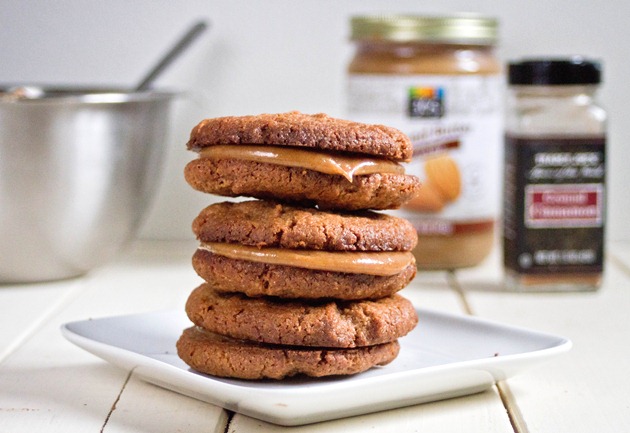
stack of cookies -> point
(303, 279)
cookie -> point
(317, 131)
(222, 356)
(263, 279)
(312, 160)
(271, 224)
(333, 324)
(233, 178)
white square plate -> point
(445, 356)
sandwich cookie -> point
(331, 324)
(263, 248)
(218, 355)
(302, 158)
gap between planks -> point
(507, 398)
(625, 268)
(113, 408)
(230, 417)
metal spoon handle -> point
(174, 52)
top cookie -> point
(316, 131)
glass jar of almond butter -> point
(438, 80)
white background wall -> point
(281, 55)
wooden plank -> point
(25, 306)
(585, 390)
(146, 407)
(50, 385)
(480, 412)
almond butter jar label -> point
(455, 124)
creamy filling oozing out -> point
(329, 163)
(379, 263)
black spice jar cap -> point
(562, 71)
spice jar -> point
(554, 196)
(437, 79)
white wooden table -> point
(50, 385)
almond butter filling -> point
(379, 263)
(343, 165)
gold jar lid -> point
(458, 29)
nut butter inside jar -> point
(437, 80)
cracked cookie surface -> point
(330, 323)
(273, 224)
(303, 130)
(218, 355)
(235, 178)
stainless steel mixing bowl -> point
(78, 168)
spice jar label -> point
(557, 225)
